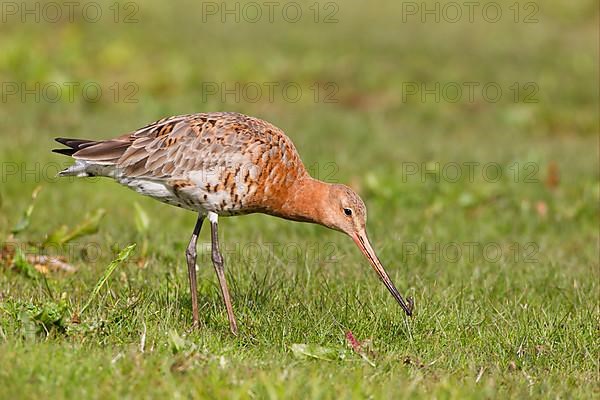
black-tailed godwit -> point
(224, 164)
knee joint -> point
(190, 252)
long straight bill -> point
(362, 241)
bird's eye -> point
(347, 211)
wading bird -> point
(224, 164)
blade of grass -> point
(123, 255)
(26, 217)
(142, 220)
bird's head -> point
(345, 211)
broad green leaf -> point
(88, 226)
(57, 236)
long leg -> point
(217, 259)
(190, 255)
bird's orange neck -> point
(305, 201)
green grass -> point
(524, 323)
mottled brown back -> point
(248, 162)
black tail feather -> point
(65, 152)
(74, 145)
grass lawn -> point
(483, 208)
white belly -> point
(160, 191)
(191, 198)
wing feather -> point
(175, 147)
